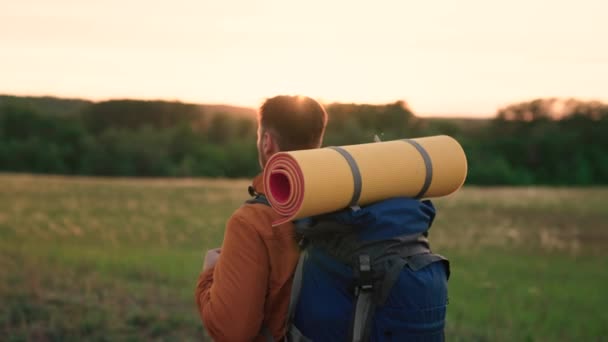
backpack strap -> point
(365, 304)
(267, 334)
(390, 278)
(296, 286)
(293, 334)
(258, 199)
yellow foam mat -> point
(312, 182)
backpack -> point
(349, 277)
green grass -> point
(117, 259)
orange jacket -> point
(251, 282)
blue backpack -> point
(368, 274)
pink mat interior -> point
(280, 187)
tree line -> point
(544, 141)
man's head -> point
(287, 123)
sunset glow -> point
(442, 57)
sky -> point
(442, 57)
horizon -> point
(96, 100)
(433, 57)
(456, 116)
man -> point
(243, 291)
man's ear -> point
(269, 144)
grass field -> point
(101, 259)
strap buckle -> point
(365, 276)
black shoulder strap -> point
(258, 199)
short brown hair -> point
(298, 122)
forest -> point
(543, 141)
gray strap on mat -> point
(428, 164)
(354, 169)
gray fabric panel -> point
(428, 164)
(343, 246)
(418, 262)
(356, 174)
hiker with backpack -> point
(359, 274)
(243, 292)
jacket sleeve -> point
(231, 295)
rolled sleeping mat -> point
(312, 182)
